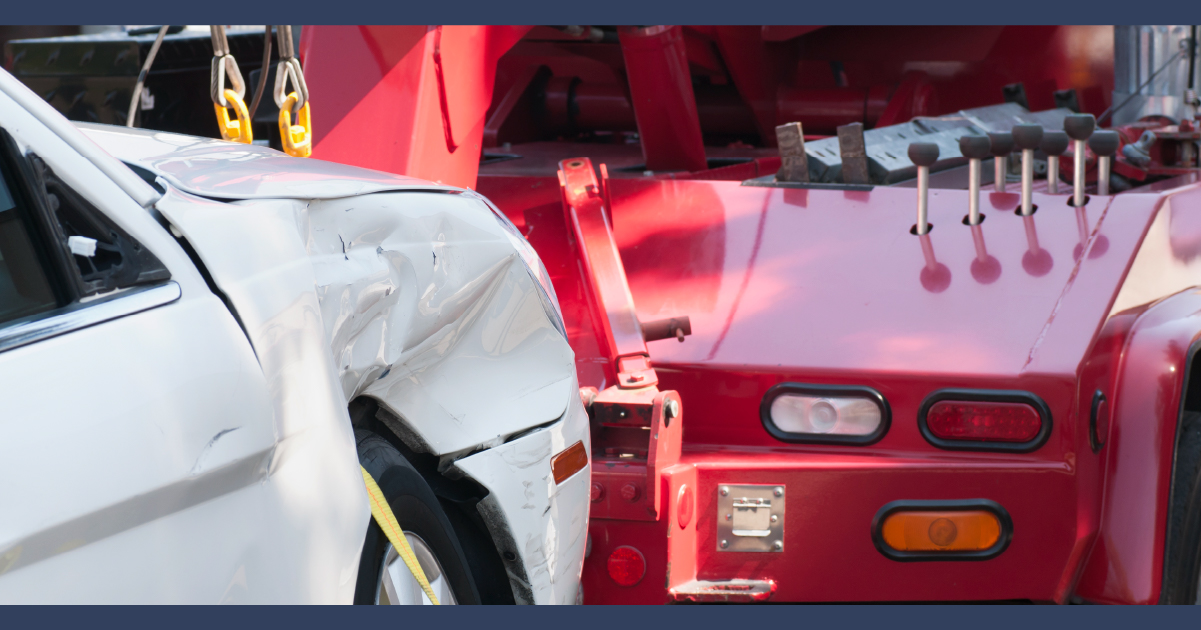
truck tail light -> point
(796, 412)
(626, 566)
(942, 530)
(985, 420)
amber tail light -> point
(973, 529)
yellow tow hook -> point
(387, 522)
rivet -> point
(724, 491)
(725, 543)
(729, 517)
(778, 545)
(779, 491)
(775, 519)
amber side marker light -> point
(974, 529)
(569, 462)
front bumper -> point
(539, 527)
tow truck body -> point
(641, 165)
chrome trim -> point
(83, 315)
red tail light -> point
(626, 566)
(989, 421)
(985, 420)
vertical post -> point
(1079, 128)
(1027, 138)
(923, 155)
(974, 148)
(794, 164)
(1105, 145)
(664, 104)
(1001, 146)
(1054, 144)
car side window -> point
(56, 246)
(25, 286)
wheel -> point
(383, 577)
(1182, 570)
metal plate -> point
(750, 518)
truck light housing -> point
(847, 414)
(990, 420)
(626, 566)
(973, 529)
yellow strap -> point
(387, 522)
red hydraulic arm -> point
(626, 465)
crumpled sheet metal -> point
(546, 523)
(418, 298)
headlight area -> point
(533, 265)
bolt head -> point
(630, 492)
(724, 491)
(778, 545)
(672, 409)
(597, 493)
(775, 519)
(725, 543)
(779, 491)
(729, 517)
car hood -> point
(230, 170)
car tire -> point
(1182, 561)
(419, 514)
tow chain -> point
(295, 119)
(293, 106)
(387, 522)
(225, 66)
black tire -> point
(418, 511)
(1182, 560)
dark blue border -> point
(887, 617)
(608, 12)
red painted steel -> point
(664, 105)
(812, 286)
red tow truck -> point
(800, 393)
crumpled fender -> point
(417, 299)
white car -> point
(198, 350)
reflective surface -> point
(229, 170)
(397, 586)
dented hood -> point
(229, 170)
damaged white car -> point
(197, 354)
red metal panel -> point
(664, 104)
(404, 99)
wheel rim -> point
(397, 584)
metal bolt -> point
(725, 543)
(724, 491)
(630, 492)
(597, 493)
(775, 519)
(672, 409)
(778, 545)
(729, 517)
(779, 491)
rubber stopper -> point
(1001, 144)
(923, 153)
(974, 147)
(1055, 142)
(1027, 136)
(1104, 143)
(1079, 126)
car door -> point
(136, 427)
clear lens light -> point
(794, 413)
